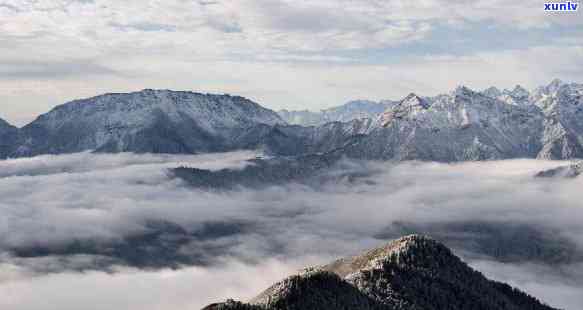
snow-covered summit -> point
(492, 92)
(517, 96)
(407, 108)
(139, 108)
(144, 121)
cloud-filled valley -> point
(280, 154)
(123, 220)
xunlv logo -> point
(561, 6)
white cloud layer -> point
(53, 200)
(130, 289)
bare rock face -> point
(413, 272)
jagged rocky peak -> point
(410, 273)
(562, 104)
(414, 101)
(548, 96)
(552, 87)
(465, 94)
(492, 92)
(407, 108)
(519, 92)
(517, 96)
(462, 90)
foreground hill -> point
(410, 273)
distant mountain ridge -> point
(349, 111)
(410, 273)
(458, 126)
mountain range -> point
(411, 273)
(457, 126)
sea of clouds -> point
(50, 201)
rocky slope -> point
(413, 272)
(157, 121)
(517, 96)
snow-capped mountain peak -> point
(554, 86)
(517, 96)
(492, 92)
(145, 121)
(519, 92)
(414, 101)
(407, 108)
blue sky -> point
(283, 54)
